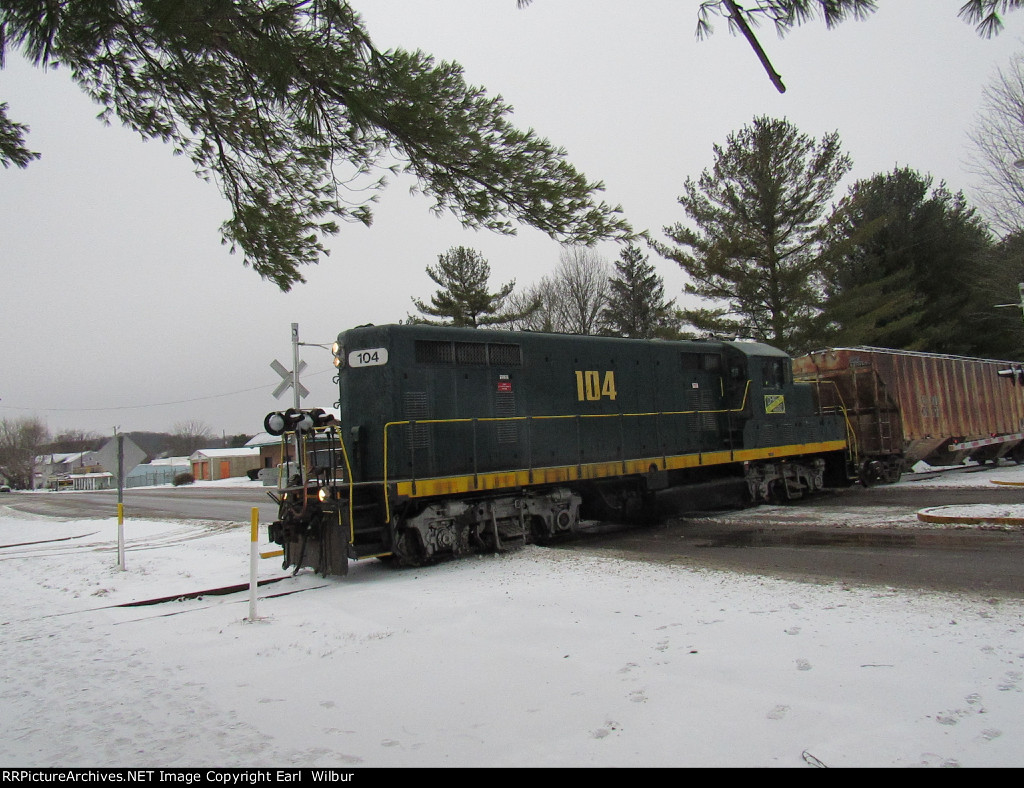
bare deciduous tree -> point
(21, 440)
(569, 301)
(189, 436)
(581, 287)
(998, 148)
(536, 307)
(76, 440)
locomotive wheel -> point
(892, 473)
(776, 493)
(404, 545)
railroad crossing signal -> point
(289, 379)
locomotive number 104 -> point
(591, 385)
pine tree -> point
(636, 305)
(995, 315)
(762, 237)
(909, 266)
(465, 298)
(297, 116)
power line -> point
(153, 404)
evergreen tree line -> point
(584, 295)
(899, 261)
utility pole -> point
(120, 498)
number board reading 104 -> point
(370, 357)
(592, 385)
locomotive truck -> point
(451, 441)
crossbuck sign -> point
(289, 379)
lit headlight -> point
(323, 494)
(339, 355)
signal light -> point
(322, 418)
(278, 423)
(274, 423)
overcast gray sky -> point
(121, 308)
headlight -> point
(323, 494)
(339, 355)
(274, 423)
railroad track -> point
(67, 545)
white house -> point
(54, 470)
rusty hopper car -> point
(904, 407)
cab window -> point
(774, 376)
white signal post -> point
(295, 364)
(120, 501)
(254, 559)
(290, 379)
(123, 454)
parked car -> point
(4, 488)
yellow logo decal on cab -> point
(774, 403)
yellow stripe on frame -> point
(458, 485)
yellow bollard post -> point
(120, 536)
(254, 558)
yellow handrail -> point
(348, 471)
(351, 485)
(851, 434)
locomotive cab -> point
(784, 412)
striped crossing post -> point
(254, 558)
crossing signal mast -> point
(295, 419)
(1015, 373)
(1020, 304)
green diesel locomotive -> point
(452, 441)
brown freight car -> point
(903, 407)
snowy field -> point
(536, 658)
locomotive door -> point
(701, 376)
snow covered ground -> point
(536, 658)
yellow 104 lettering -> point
(592, 385)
